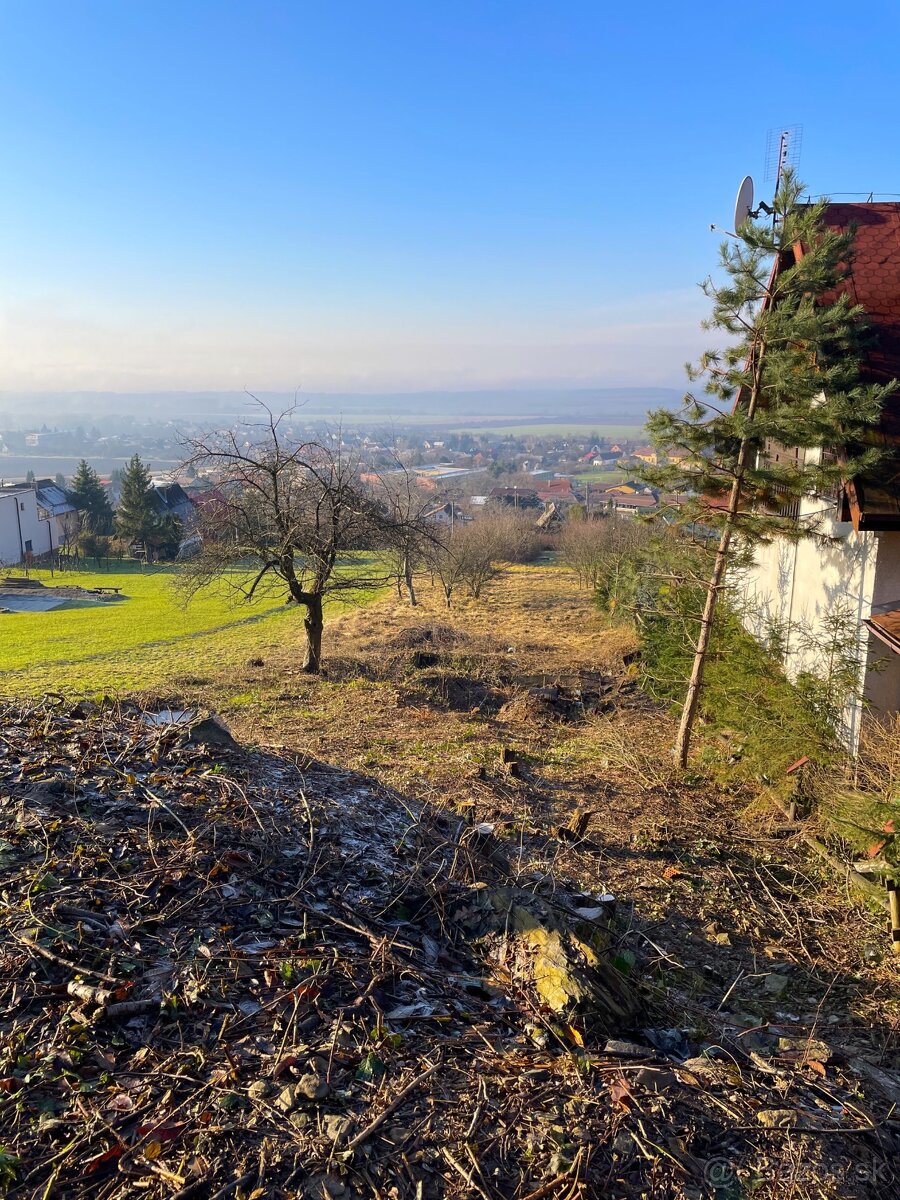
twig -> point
(467, 1175)
(234, 1185)
(51, 956)
(550, 1186)
(366, 1133)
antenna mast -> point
(782, 151)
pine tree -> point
(89, 496)
(790, 375)
(137, 518)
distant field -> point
(148, 641)
(598, 475)
(569, 429)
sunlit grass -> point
(145, 640)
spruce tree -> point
(89, 496)
(790, 375)
(137, 518)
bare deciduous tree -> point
(597, 550)
(473, 553)
(288, 517)
(408, 535)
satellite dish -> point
(743, 205)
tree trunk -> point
(692, 699)
(408, 580)
(312, 623)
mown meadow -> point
(144, 640)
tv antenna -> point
(782, 151)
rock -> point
(704, 1067)
(212, 731)
(313, 1087)
(627, 1049)
(669, 1041)
(778, 1118)
(259, 1090)
(538, 1075)
(775, 984)
(288, 1098)
(807, 1047)
(656, 1080)
(335, 1127)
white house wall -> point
(799, 585)
(10, 548)
(21, 508)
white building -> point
(24, 534)
(850, 569)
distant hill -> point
(627, 406)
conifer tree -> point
(137, 518)
(89, 496)
(790, 375)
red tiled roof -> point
(874, 283)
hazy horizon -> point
(434, 408)
(361, 198)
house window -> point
(28, 546)
(22, 505)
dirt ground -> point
(721, 893)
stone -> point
(775, 984)
(313, 1087)
(627, 1049)
(704, 1067)
(259, 1090)
(288, 1098)
(778, 1118)
(808, 1047)
(212, 731)
(336, 1127)
(655, 1080)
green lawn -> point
(150, 640)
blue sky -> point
(380, 195)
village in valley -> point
(546, 475)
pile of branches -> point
(231, 972)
